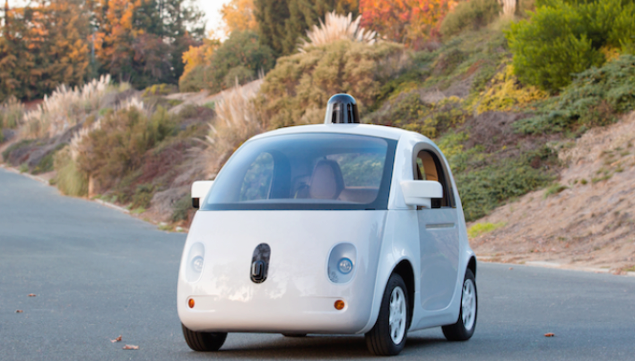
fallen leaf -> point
(32, 295)
(130, 347)
(18, 311)
(116, 340)
(549, 334)
(511, 268)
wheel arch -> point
(406, 271)
(471, 265)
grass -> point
(69, 179)
(554, 189)
(480, 229)
(337, 27)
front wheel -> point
(204, 341)
(464, 327)
(388, 336)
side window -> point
(257, 182)
(429, 167)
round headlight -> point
(197, 264)
(345, 266)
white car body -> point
(429, 246)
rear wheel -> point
(388, 336)
(204, 341)
(464, 327)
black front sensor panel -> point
(260, 263)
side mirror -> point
(199, 191)
(420, 192)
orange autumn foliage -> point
(412, 22)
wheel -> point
(388, 336)
(204, 341)
(464, 327)
(294, 334)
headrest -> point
(327, 181)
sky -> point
(211, 9)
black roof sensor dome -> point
(341, 109)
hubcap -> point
(397, 318)
(468, 304)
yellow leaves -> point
(610, 53)
(239, 16)
(199, 55)
(506, 92)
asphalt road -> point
(98, 274)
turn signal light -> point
(190, 302)
(339, 305)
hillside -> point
(585, 219)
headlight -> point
(345, 266)
(341, 263)
(195, 262)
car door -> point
(438, 236)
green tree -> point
(282, 23)
(563, 38)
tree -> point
(406, 21)
(240, 57)
(143, 40)
(281, 23)
(238, 15)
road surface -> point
(98, 274)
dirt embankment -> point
(587, 219)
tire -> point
(294, 334)
(384, 339)
(204, 341)
(464, 327)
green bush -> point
(160, 89)
(297, 89)
(117, 147)
(565, 38)
(194, 80)
(595, 97)
(486, 188)
(238, 75)
(69, 179)
(470, 15)
(142, 196)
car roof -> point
(359, 129)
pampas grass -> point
(67, 107)
(337, 27)
(237, 120)
(11, 113)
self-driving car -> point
(337, 228)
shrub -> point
(554, 189)
(297, 89)
(67, 107)
(238, 75)
(194, 80)
(11, 113)
(241, 53)
(160, 89)
(505, 93)
(237, 119)
(410, 112)
(142, 196)
(69, 179)
(337, 27)
(118, 144)
(565, 38)
(595, 97)
(487, 187)
(480, 229)
(470, 15)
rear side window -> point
(310, 171)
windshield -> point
(310, 171)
